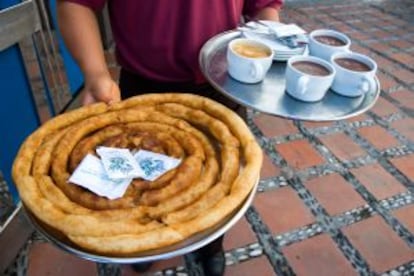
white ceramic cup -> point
(323, 50)
(307, 85)
(350, 82)
(248, 60)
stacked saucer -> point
(282, 51)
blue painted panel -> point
(8, 3)
(18, 116)
(73, 72)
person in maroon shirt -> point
(157, 46)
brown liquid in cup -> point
(251, 51)
(311, 68)
(352, 64)
(330, 40)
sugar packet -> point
(119, 163)
(91, 174)
(153, 165)
(288, 30)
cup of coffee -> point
(355, 74)
(248, 60)
(308, 78)
(325, 43)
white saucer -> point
(281, 51)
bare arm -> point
(268, 13)
(80, 32)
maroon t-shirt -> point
(161, 39)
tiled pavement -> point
(335, 198)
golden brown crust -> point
(220, 165)
(88, 144)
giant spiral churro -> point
(220, 165)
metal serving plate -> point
(191, 244)
(269, 95)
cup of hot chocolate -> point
(325, 43)
(308, 78)
(355, 74)
(248, 60)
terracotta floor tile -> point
(360, 37)
(404, 75)
(400, 44)
(334, 193)
(400, 32)
(359, 118)
(299, 154)
(46, 259)
(256, 266)
(385, 63)
(405, 97)
(379, 245)
(405, 165)
(384, 108)
(342, 146)
(386, 82)
(269, 169)
(361, 48)
(343, 28)
(282, 210)
(361, 25)
(319, 256)
(378, 137)
(379, 46)
(405, 127)
(378, 181)
(406, 216)
(240, 234)
(403, 58)
(126, 270)
(381, 34)
(272, 126)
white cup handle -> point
(256, 70)
(302, 84)
(367, 84)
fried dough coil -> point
(88, 144)
(220, 164)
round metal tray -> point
(269, 95)
(191, 244)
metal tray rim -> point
(201, 239)
(367, 101)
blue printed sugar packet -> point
(90, 174)
(153, 165)
(119, 163)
